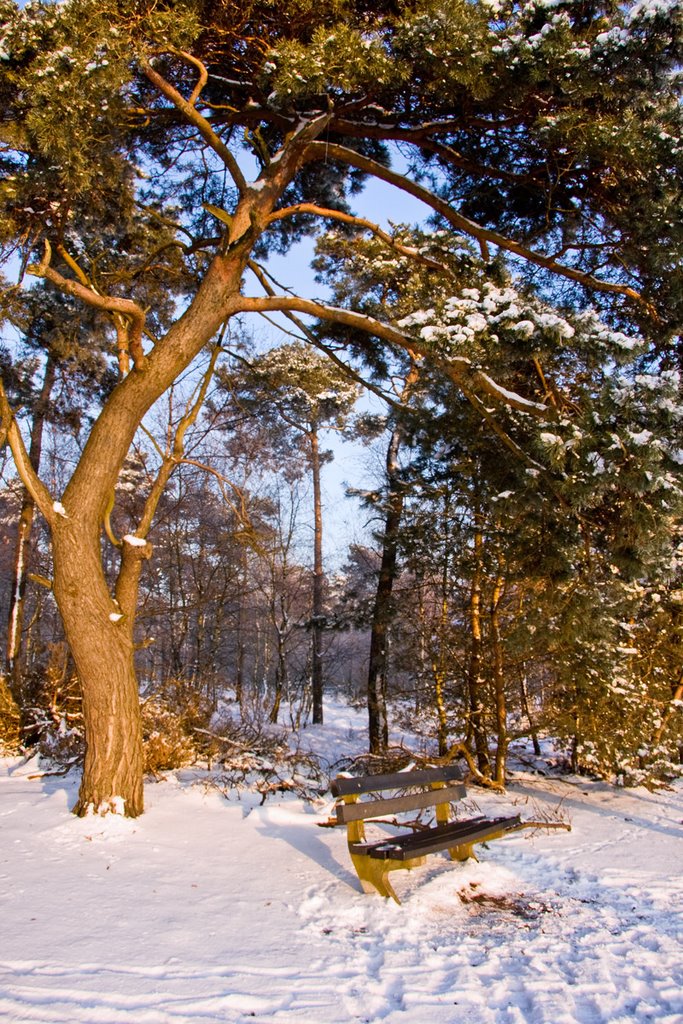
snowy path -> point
(208, 911)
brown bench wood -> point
(441, 837)
(397, 804)
(344, 785)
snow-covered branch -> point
(458, 368)
(366, 225)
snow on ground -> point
(208, 910)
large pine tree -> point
(152, 153)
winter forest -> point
(505, 367)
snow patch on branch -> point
(135, 542)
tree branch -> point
(240, 512)
(458, 368)
(128, 339)
(135, 549)
(366, 225)
(173, 457)
(332, 151)
(199, 122)
(10, 434)
(423, 138)
(203, 74)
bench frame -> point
(435, 787)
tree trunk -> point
(280, 674)
(440, 669)
(22, 559)
(101, 643)
(100, 637)
(381, 615)
(499, 684)
(475, 687)
(524, 700)
(99, 629)
(318, 581)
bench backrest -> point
(439, 786)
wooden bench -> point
(431, 787)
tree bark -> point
(317, 618)
(477, 729)
(378, 726)
(101, 642)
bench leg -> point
(463, 852)
(373, 876)
(373, 872)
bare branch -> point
(175, 456)
(203, 74)
(239, 511)
(134, 548)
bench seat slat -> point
(441, 837)
(343, 786)
(397, 804)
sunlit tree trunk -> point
(101, 642)
(475, 681)
(499, 682)
(98, 625)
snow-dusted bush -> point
(174, 723)
(166, 743)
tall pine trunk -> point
(502, 738)
(475, 680)
(317, 618)
(378, 725)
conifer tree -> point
(549, 134)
